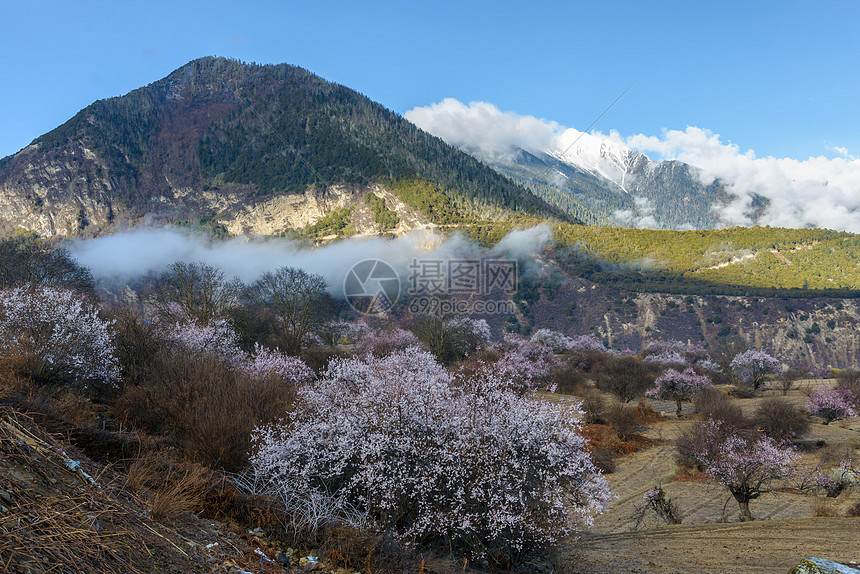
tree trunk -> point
(678, 412)
(745, 510)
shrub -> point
(789, 377)
(56, 335)
(711, 403)
(822, 508)
(585, 360)
(655, 499)
(678, 386)
(318, 358)
(471, 466)
(604, 459)
(780, 419)
(625, 377)
(831, 404)
(567, 380)
(451, 338)
(623, 421)
(171, 488)
(359, 550)
(207, 405)
(593, 407)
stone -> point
(820, 566)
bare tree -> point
(25, 258)
(789, 377)
(298, 299)
(196, 291)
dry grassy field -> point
(789, 526)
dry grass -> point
(171, 489)
(54, 519)
(823, 508)
(209, 407)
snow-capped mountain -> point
(600, 180)
(602, 156)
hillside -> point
(246, 148)
(763, 261)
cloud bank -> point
(815, 192)
(125, 256)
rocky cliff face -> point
(70, 194)
(820, 332)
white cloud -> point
(819, 191)
(483, 129)
(124, 256)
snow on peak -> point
(597, 154)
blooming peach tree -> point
(747, 468)
(752, 367)
(219, 339)
(831, 404)
(60, 331)
(558, 342)
(678, 386)
(468, 464)
(523, 364)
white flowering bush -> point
(58, 333)
(556, 341)
(219, 339)
(467, 464)
(831, 404)
(586, 343)
(522, 364)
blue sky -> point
(780, 78)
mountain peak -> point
(218, 137)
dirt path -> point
(772, 546)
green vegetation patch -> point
(385, 218)
(736, 261)
(336, 222)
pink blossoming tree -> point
(831, 404)
(747, 468)
(466, 464)
(219, 339)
